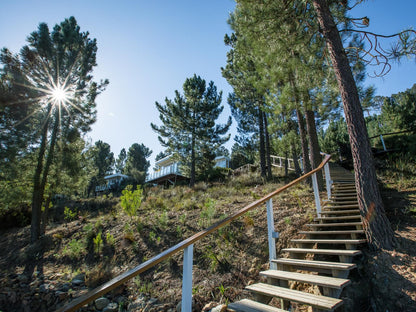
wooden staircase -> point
(336, 235)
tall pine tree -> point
(189, 128)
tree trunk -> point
(377, 227)
(314, 150)
(302, 132)
(295, 161)
(192, 177)
(304, 143)
(262, 145)
(37, 196)
(267, 141)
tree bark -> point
(314, 150)
(302, 131)
(267, 142)
(304, 143)
(377, 227)
(37, 196)
(192, 177)
(262, 144)
(298, 172)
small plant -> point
(152, 236)
(109, 238)
(162, 220)
(69, 215)
(178, 231)
(98, 243)
(208, 212)
(287, 221)
(74, 249)
(143, 286)
(222, 290)
(131, 200)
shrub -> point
(69, 215)
(131, 200)
(74, 249)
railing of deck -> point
(187, 245)
(164, 171)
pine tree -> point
(56, 67)
(188, 125)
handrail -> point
(119, 280)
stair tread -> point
(316, 264)
(329, 241)
(341, 252)
(341, 211)
(334, 224)
(343, 202)
(337, 218)
(321, 302)
(325, 281)
(329, 206)
(247, 305)
(333, 232)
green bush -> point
(131, 200)
(75, 249)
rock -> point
(137, 304)
(44, 288)
(77, 282)
(101, 303)
(209, 306)
(61, 294)
(22, 278)
(80, 277)
(65, 287)
(220, 308)
(111, 307)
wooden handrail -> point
(119, 280)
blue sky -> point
(148, 48)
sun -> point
(58, 94)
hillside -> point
(70, 258)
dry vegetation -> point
(98, 241)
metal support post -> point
(188, 255)
(382, 142)
(272, 235)
(316, 194)
(328, 180)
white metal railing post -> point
(328, 180)
(316, 194)
(382, 142)
(188, 255)
(272, 235)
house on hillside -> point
(168, 170)
(222, 162)
(113, 181)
